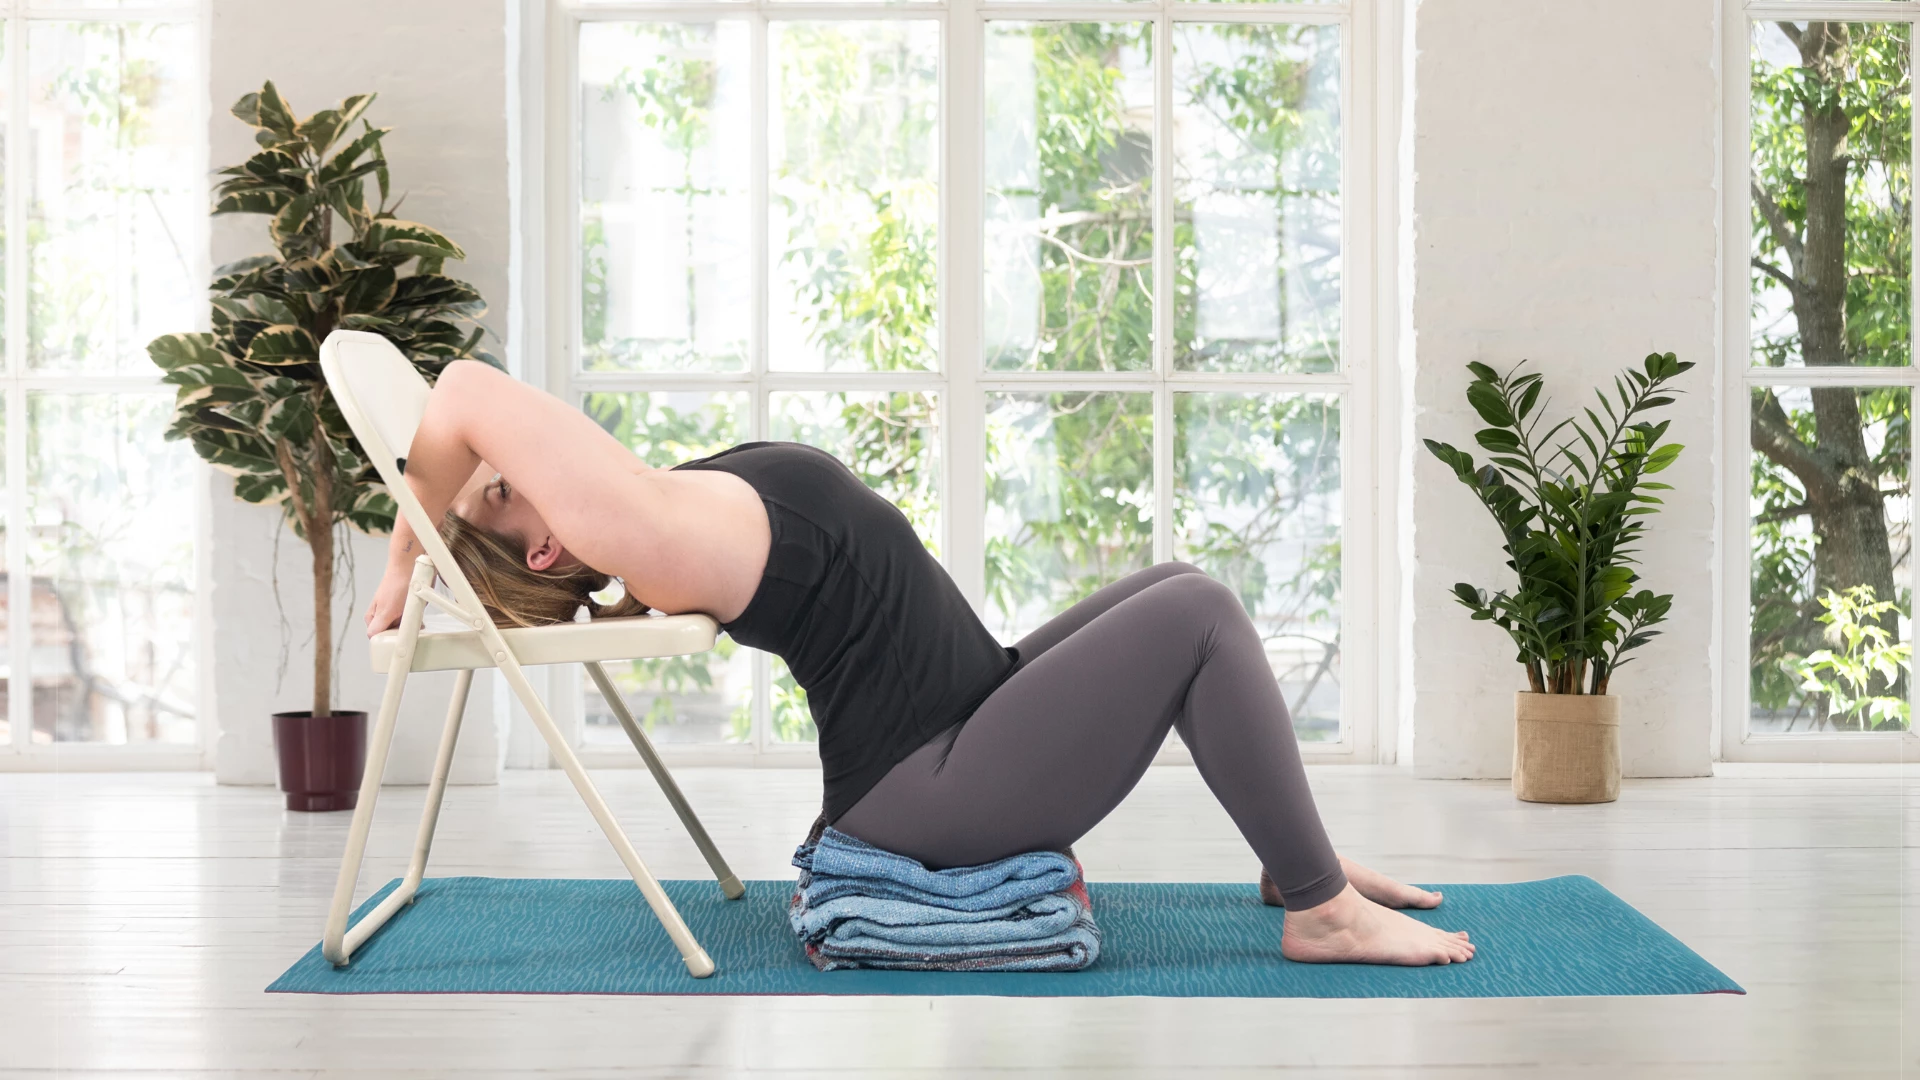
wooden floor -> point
(140, 916)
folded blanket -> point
(1071, 950)
(857, 906)
(836, 865)
(908, 923)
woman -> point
(936, 741)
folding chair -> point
(383, 397)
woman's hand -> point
(390, 599)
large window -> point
(1820, 399)
(104, 205)
(1080, 287)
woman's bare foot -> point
(1371, 884)
(1351, 929)
(1385, 891)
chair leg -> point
(730, 886)
(337, 945)
(437, 787)
(699, 964)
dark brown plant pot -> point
(321, 758)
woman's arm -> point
(577, 476)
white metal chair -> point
(383, 397)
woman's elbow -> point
(462, 391)
(462, 377)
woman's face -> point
(490, 502)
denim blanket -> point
(841, 865)
(857, 906)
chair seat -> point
(633, 638)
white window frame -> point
(19, 753)
(1738, 378)
(547, 34)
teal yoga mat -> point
(472, 935)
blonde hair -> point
(518, 595)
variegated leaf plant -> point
(251, 398)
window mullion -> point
(1913, 366)
(19, 580)
(759, 161)
(1836, 10)
(963, 177)
(1163, 273)
(759, 90)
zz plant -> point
(1571, 502)
(251, 398)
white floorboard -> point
(141, 915)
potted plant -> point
(1571, 502)
(251, 397)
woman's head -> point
(494, 505)
(526, 588)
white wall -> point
(1564, 211)
(439, 67)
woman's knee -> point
(1159, 572)
(1198, 594)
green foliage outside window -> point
(1866, 660)
(1090, 197)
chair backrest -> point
(383, 397)
(379, 390)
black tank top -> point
(889, 653)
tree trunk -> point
(1820, 302)
(320, 539)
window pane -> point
(854, 195)
(115, 203)
(666, 271)
(702, 698)
(1068, 280)
(1257, 505)
(665, 428)
(1833, 188)
(790, 718)
(1069, 500)
(111, 555)
(1257, 197)
(1832, 597)
(891, 438)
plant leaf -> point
(277, 346)
(267, 109)
(406, 238)
(367, 291)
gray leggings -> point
(1072, 730)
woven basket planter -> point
(1566, 747)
